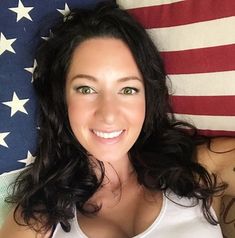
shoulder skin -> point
(220, 159)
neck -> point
(116, 172)
(119, 178)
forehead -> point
(103, 54)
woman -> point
(111, 162)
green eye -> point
(85, 90)
(129, 91)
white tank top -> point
(174, 220)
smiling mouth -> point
(107, 135)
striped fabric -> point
(196, 39)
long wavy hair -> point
(62, 177)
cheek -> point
(142, 115)
(75, 110)
(77, 122)
(136, 113)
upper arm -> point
(221, 161)
(11, 229)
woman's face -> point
(105, 98)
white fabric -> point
(6, 179)
(174, 220)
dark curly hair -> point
(62, 176)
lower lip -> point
(109, 141)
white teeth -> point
(107, 135)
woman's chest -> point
(176, 216)
(132, 215)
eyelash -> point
(130, 88)
(81, 88)
(91, 90)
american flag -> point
(20, 24)
(196, 39)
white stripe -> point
(196, 35)
(128, 4)
(205, 84)
(224, 123)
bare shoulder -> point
(11, 229)
(220, 159)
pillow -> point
(6, 180)
(197, 43)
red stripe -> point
(204, 105)
(204, 60)
(211, 133)
(181, 13)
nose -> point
(107, 110)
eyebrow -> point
(94, 79)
